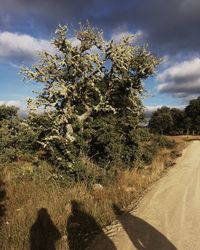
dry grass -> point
(29, 188)
(185, 138)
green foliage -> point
(151, 148)
(8, 112)
(187, 121)
(149, 152)
(161, 121)
(40, 124)
(91, 96)
(107, 140)
(192, 112)
(112, 139)
(17, 138)
(144, 134)
(178, 117)
(176, 122)
(163, 142)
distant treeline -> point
(173, 121)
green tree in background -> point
(193, 112)
(161, 121)
(187, 122)
(178, 117)
(174, 121)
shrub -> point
(16, 140)
(112, 140)
(149, 152)
(175, 154)
(164, 142)
(157, 142)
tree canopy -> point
(161, 121)
(89, 79)
(192, 111)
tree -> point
(193, 109)
(87, 80)
(161, 121)
(197, 124)
(8, 112)
(187, 124)
(175, 121)
(178, 121)
(193, 112)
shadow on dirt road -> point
(142, 235)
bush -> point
(157, 142)
(16, 140)
(149, 153)
(144, 134)
(175, 154)
(164, 142)
(112, 140)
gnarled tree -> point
(88, 77)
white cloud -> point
(119, 33)
(15, 47)
(181, 79)
(11, 103)
(152, 108)
(21, 46)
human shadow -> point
(2, 199)
(142, 235)
(82, 229)
(43, 233)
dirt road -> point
(168, 217)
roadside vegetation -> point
(62, 169)
(30, 184)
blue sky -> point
(171, 28)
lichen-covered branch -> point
(87, 78)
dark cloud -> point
(46, 15)
(171, 26)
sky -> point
(170, 28)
